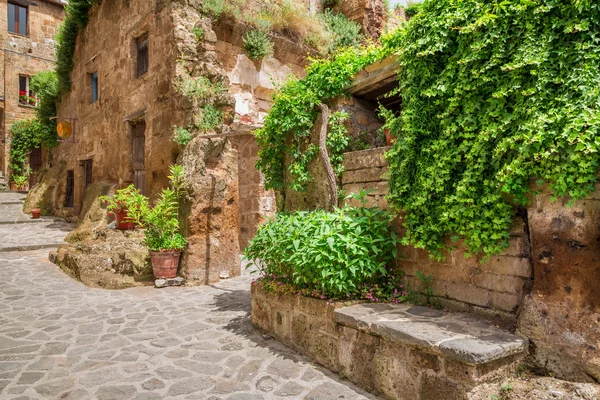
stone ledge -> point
(462, 337)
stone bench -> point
(397, 351)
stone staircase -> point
(2, 182)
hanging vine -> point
(495, 95)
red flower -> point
(22, 93)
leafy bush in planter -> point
(338, 254)
(161, 221)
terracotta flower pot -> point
(165, 263)
(123, 223)
(35, 213)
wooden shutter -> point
(142, 55)
(139, 144)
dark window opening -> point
(70, 192)
(94, 87)
(26, 95)
(142, 55)
(87, 173)
(17, 19)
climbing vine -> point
(76, 17)
(288, 125)
(495, 94)
(25, 135)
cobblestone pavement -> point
(20, 231)
(62, 340)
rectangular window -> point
(17, 19)
(94, 87)
(142, 55)
(70, 192)
(26, 95)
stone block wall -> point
(366, 170)
(403, 360)
(256, 203)
(24, 55)
(363, 125)
(370, 14)
(493, 288)
(560, 316)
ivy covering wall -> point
(495, 95)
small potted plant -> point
(118, 208)
(35, 213)
(161, 225)
(23, 97)
(19, 183)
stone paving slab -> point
(463, 337)
(27, 236)
(62, 340)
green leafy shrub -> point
(198, 33)
(288, 125)
(212, 117)
(343, 31)
(181, 136)
(494, 95)
(160, 221)
(337, 253)
(257, 44)
(213, 7)
(200, 88)
(45, 86)
(25, 135)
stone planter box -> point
(396, 351)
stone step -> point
(400, 351)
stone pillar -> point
(211, 216)
(561, 315)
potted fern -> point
(161, 225)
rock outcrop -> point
(109, 259)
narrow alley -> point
(60, 339)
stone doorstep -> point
(462, 337)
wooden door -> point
(139, 145)
(35, 163)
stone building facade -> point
(124, 117)
(27, 31)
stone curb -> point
(27, 221)
(31, 247)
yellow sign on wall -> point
(64, 129)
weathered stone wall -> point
(104, 128)
(370, 14)
(252, 84)
(24, 55)
(561, 314)
(544, 279)
(492, 288)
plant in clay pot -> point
(35, 213)
(117, 206)
(20, 182)
(161, 225)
